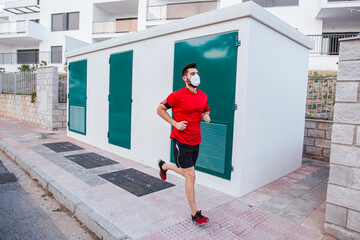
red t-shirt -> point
(187, 106)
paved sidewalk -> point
(82, 178)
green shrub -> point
(33, 95)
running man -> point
(188, 105)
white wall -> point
(36, 31)
(30, 16)
(99, 15)
(323, 62)
(56, 38)
(5, 48)
(142, 11)
(72, 43)
(164, 2)
(301, 17)
(271, 94)
(341, 25)
(277, 153)
(12, 49)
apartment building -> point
(32, 31)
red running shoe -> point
(162, 172)
(198, 218)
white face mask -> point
(195, 80)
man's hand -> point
(180, 125)
(206, 117)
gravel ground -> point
(29, 212)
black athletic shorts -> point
(185, 155)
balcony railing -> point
(30, 57)
(179, 10)
(328, 44)
(18, 82)
(118, 26)
(12, 27)
(343, 0)
(320, 98)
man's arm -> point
(162, 112)
(206, 116)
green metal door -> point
(120, 99)
(216, 58)
(77, 96)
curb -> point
(101, 226)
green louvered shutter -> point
(77, 96)
(216, 57)
(120, 99)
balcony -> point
(339, 9)
(343, 1)
(171, 11)
(114, 18)
(22, 6)
(118, 26)
(328, 44)
(31, 57)
(21, 32)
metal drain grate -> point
(7, 178)
(91, 160)
(62, 146)
(136, 182)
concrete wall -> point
(317, 139)
(301, 17)
(323, 62)
(45, 112)
(269, 148)
(261, 95)
(343, 208)
(57, 38)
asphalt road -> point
(20, 217)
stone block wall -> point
(52, 114)
(59, 116)
(343, 196)
(46, 112)
(317, 139)
(19, 107)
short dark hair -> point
(190, 65)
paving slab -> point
(291, 207)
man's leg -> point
(190, 189)
(173, 167)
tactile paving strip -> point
(136, 182)
(254, 216)
(91, 160)
(62, 146)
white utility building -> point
(253, 68)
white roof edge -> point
(247, 9)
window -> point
(73, 21)
(28, 56)
(57, 22)
(56, 54)
(65, 21)
(275, 3)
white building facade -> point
(32, 31)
